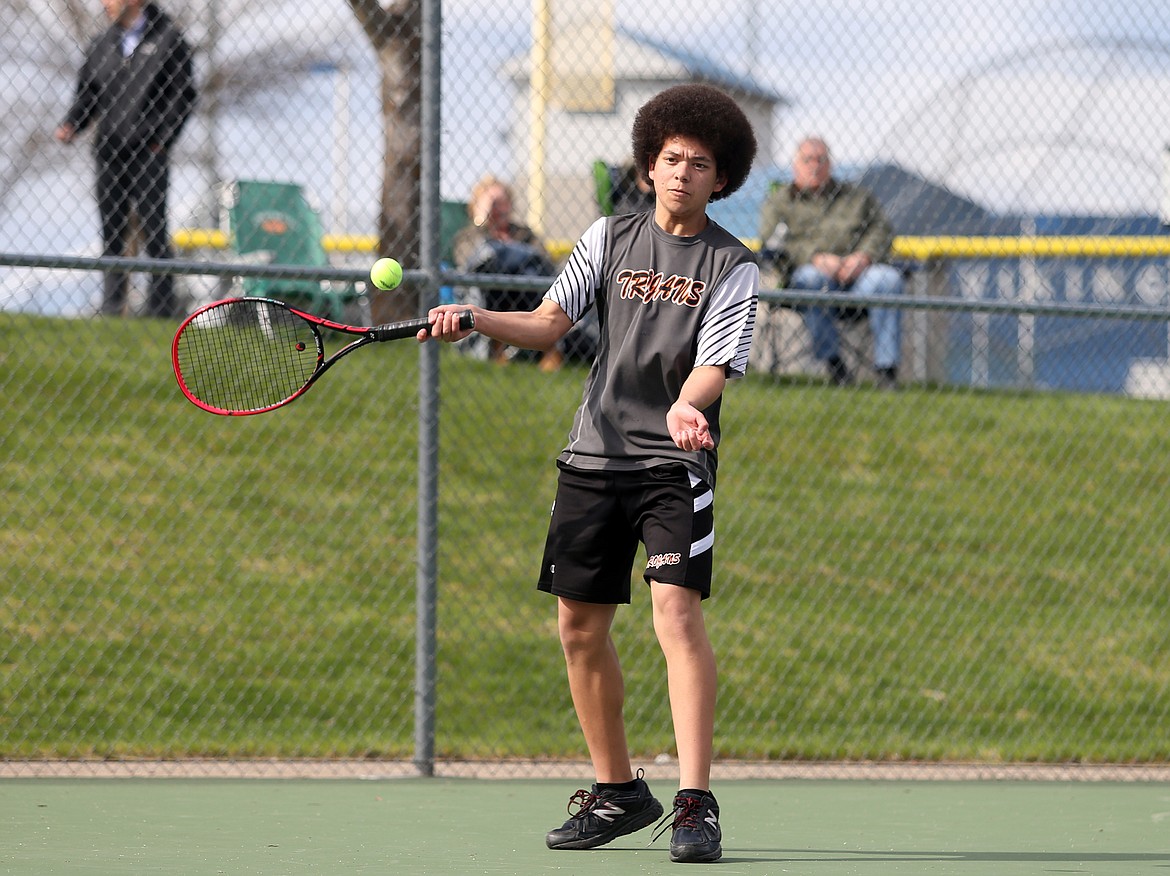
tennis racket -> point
(245, 356)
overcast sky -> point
(1023, 104)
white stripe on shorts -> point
(703, 500)
(703, 544)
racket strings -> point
(246, 356)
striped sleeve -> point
(725, 338)
(576, 286)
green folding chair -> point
(274, 220)
(603, 186)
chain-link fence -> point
(969, 569)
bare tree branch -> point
(82, 23)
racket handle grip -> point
(409, 328)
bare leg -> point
(595, 681)
(691, 679)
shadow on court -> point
(446, 826)
(1084, 861)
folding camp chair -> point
(615, 188)
(274, 221)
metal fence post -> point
(426, 576)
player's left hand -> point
(688, 427)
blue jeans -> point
(885, 323)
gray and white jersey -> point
(665, 305)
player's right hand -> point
(444, 321)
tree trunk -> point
(395, 32)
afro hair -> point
(704, 113)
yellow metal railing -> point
(199, 238)
(922, 249)
(213, 238)
(1096, 246)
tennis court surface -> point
(448, 825)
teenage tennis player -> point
(676, 300)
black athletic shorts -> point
(599, 518)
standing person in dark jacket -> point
(137, 85)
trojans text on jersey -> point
(652, 286)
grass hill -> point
(931, 574)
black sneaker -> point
(603, 816)
(696, 835)
(887, 378)
(838, 372)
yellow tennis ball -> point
(386, 274)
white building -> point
(580, 129)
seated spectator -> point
(495, 243)
(633, 192)
(833, 236)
